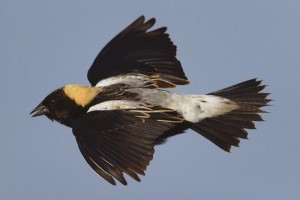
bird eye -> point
(53, 101)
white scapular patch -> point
(117, 105)
(135, 80)
(193, 108)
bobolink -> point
(120, 118)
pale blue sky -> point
(45, 45)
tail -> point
(225, 130)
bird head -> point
(60, 107)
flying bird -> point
(128, 110)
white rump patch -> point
(118, 105)
(195, 108)
(206, 106)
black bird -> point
(119, 119)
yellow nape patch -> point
(81, 94)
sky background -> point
(47, 44)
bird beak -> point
(39, 110)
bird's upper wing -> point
(135, 50)
(121, 141)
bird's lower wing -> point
(121, 141)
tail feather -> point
(222, 140)
(245, 116)
(247, 93)
(223, 127)
(225, 130)
(246, 85)
(234, 122)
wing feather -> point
(140, 51)
(118, 141)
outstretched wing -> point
(136, 50)
(121, 141)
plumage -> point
(118, 120)
(140, 51)
(117, 141)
